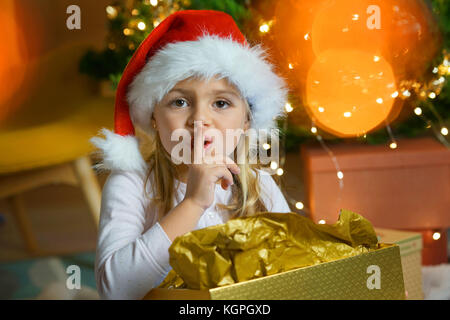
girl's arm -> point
(129, 261)
(181, 219)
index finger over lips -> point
(221, 159)
(198, 142)
(234, 168)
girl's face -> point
(216, 103)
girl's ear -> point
(153, 122)
(247, 122)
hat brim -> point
(208, 56)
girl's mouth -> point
(206, 143)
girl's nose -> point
(200, 114)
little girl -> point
(195, 72)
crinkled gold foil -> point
(264, 244)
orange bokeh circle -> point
(349, 24)
(349, 92)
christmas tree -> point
(130, 21)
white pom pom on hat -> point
(187, 43)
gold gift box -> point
(410, 244)
(375, 275)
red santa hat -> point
(204, 43)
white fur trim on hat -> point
(208, 56)
(119, 152)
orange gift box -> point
(404, 188)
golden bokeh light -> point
(346, 105)
(395, 34)
(346, 24)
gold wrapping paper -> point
(267, 243)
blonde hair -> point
(246, 190)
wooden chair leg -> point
(18, 211)
(89, 185)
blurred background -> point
(366, 127)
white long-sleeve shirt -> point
(132, 248)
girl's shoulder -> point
(124, 181)
(271, 194)
(265, 177)
(126, 175)
(266, 182)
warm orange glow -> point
(17, 48)
(348, 93)
(414, 37)
(344, 24)
(12, 58)
(390, 36)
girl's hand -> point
(202, 178)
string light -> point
(280, 171)
(436, 236)
(111, 12)
(127, 31)
(321, 221)
(154, 2)
(438, 81)
(313, 129)
(339, 173)
(299, 205)
(264, 28)
(376, 58)
(393, 145)
(291, 66)
(432, 95)
(266, 146)
(406, 93)
(395, 94)
(418, 111)
(288, 107)
(444, 131)
(141, 25)
(273, 165)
